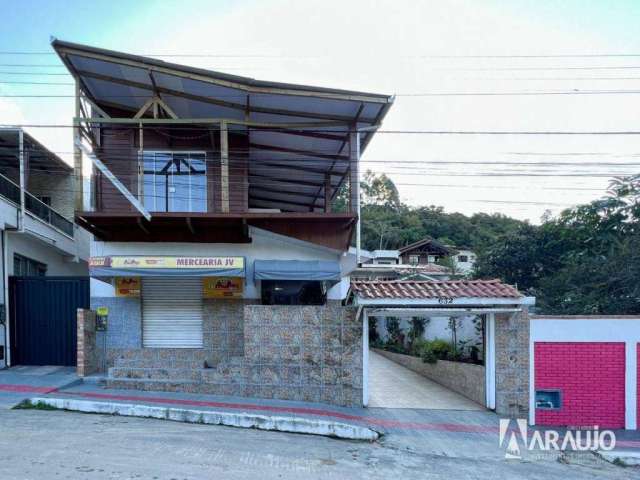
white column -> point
(365, 357)
(77, 154)
(631, 386)
(532, 378)
(490, 360)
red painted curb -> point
(447, 427)
(9, 387)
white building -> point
(38, 237)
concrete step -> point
(174, 385)
(167, 374)
(152, 362)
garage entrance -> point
(394, 386)
(43, 314)
(428, 358)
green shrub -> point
(433, 350)
(427, 355)
(442, 349)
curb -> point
(620, 457)
(208, 417)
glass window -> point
(414, 259)
(548, 399)
(463, 258)
(26, 267)
(293, 292)
(175, 182)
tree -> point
(585, 261)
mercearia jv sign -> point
(166, 262)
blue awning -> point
(297, 270)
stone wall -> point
(304, 353)
(464, 378)
(222, 332)
(310, 353)
(512, 364)
(88, 360)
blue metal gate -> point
(43, 314)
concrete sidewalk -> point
(18, 383)
(451, 433)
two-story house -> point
(423, 252)
(43, 252)
(220, 253)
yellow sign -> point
(102, 311)
(222, 287)
(167, 262)
(127, 286)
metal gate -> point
(172, 312)
(43, 313)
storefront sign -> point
(222, 287)
(127, 286)
(167, 262)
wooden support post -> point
(224, 167)
(354, 182)
(140, 166)
(77, 155)
(327, 193)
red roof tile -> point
(433, 289)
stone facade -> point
(311, 353)
(512, 364)
(305, 353)
(88, 358)
(464, 378)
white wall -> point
(465, 267)
(265, 246)
(437, 327)
(57, 263)
(590, 329)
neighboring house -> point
(369, 271)
(39, 241)
(218, 255)
(384, 257)
(464, 258)
(425, 251)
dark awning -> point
(297, 270)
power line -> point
(400, 95)
(276, 129)
(417, 56)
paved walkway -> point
(19, 382)
(394, 386)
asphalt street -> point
(38, 444)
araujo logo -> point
(516, 438)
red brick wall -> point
(591, 378)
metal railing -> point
(9, 190)
(35, 206)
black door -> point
(43, 314)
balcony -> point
(11, 191)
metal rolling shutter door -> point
(172, 312)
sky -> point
(449, 63)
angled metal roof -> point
(323, 117)
(39, 157)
